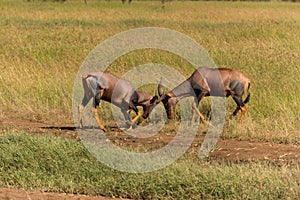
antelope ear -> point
(154, 99)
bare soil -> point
(226, 150)
(18, 194)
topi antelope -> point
(110, 88)
(208, 82)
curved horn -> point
(158, 91)
(160, 94)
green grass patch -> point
(61, 165)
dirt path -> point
(18, 194)
(228, 150)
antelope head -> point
(150, 105)
(169, 101)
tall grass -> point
(43, 45)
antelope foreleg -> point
(136, 117)
(95, 113)
(198, 112)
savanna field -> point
(43, 45)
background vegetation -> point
(43, 44)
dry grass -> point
(43, 45)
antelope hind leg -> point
(236, 111)
(95, 113)
(193, 118)
(243, 109)
(80, 110)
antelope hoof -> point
(133, 126)
(128, 124)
